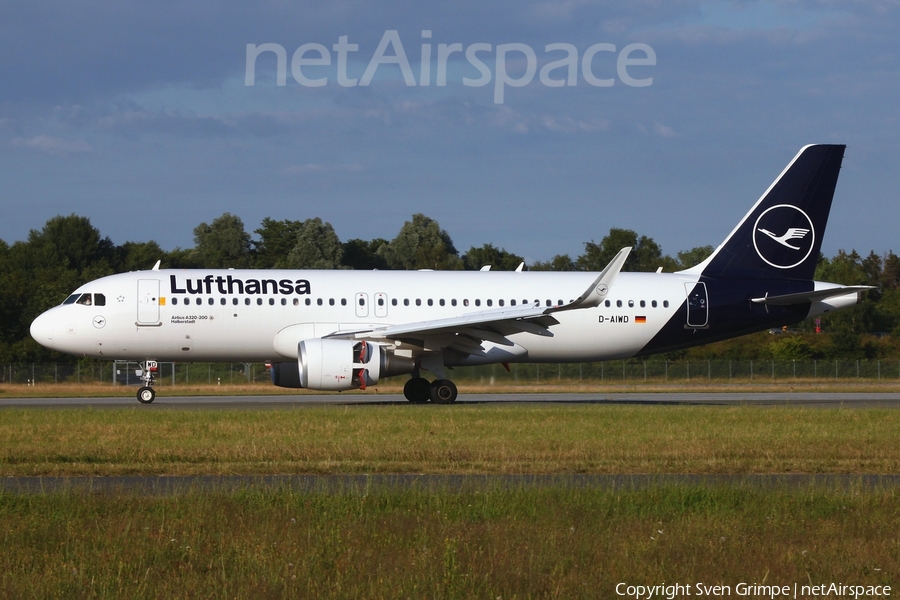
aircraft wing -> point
(466, 332)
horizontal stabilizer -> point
(813, 296)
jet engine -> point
(337, 365)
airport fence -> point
(620, 371)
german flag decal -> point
(640, 319)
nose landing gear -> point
(146, 394)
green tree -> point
(646, 255)
(421, 244)
(317, 247)
(137, 256)
(277, 239)
(488, 254)
(693, 257)
(560, 262)
(222, 244)
(69, 242)
(363, 256)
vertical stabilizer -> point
(781, 236)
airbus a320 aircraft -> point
(343, 330)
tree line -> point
(68, 251)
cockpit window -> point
(99, 300)
(85, 299)
(71, 299)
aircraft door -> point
(362, 304)
(148, 302)
(381, 304)
(697, 306)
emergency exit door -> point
(697, 305)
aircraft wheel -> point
(146, 395)
(443, 391)
(417, 390)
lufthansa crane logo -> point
(783, 236)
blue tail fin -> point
(781, 236)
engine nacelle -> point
(336, 365)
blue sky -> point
(136, 115)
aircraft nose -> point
(42, 330)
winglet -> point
(156, 266)
(598, 290)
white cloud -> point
(53, 145)
(319, 168)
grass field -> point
(450, 439)
(492, 541)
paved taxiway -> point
(786, 398)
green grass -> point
(490, 543)
(455, 439)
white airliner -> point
(343, 330)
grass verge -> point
(492, 543)
(529, 439)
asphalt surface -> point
(786, 398)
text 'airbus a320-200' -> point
(344, 330)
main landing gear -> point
(419, 391)
(147, 394)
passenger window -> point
(559, 302)
(441, 302)
(466, 302)
(234, 301)
(331, 302)
(406, 302)
(99, 300)
(187, 301)
(665, 304)
(210, 301)
(643, 304)
(490, 302)
(607, 303)
(653, 303)
(453, 302)
(174, 301)
(393, 302)
(343, 302)
(619, 303)
(319, 301)
(477, 302)
(549, 303)
(380, 301)
(296, 301)
(362, 301)
(418, 302)
(430, 302)
(500, 302)
(512, 302)
(259, 301)
(631, 304)
(247, 301)
(308, 302)
(222, 301)
(284, 301)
